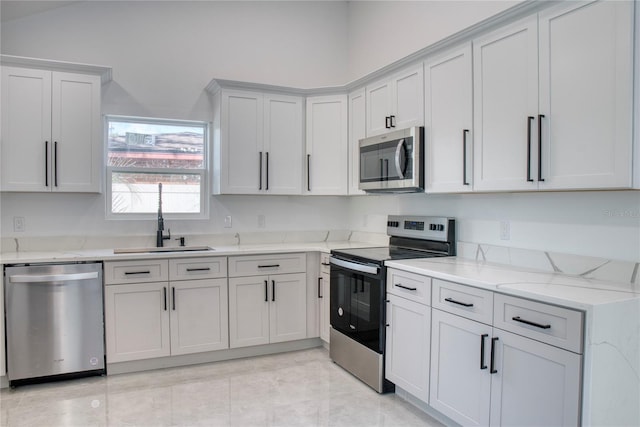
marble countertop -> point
(555, 288)
(109, 255)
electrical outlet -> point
(505, 230)
(261, 221)
(18, 224)
(227, 221)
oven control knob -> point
(432, 227)
(440, 227)
(340, 311)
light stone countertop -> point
(108, 254)
(555, 288)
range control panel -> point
(420, 227)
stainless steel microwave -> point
(393, 162)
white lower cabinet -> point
(482, 375)
(267, 309)
(323, 294)
(136, 321)
(407, 346)
(164, 318)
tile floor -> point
(302, 388)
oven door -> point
(357, 294)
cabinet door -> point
(26, 129)
(325, 310)
(327, 147)
(407, 99)
(283, 144)
(586, 90)
(535, 383)
(248, 311)
(448, 120)
(76, 133)
(137, 321)
(407, 346)
(460, 381)
(288, 310)
(378, 107)
(199, 318)
(505, 86)
(357, 131)
(241, 148)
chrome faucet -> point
(160, 237)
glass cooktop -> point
(386, 253)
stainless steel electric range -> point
(358, 292)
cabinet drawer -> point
(409, 285)
(324, 263)
(197, 268)
(143, 271)
(466, 301)
(558, 326)
(255, 265)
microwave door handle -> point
(400, 168)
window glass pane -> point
(155, 145)
(137, 192)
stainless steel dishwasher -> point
(54, 321)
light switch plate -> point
(227, 221)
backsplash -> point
(627, 272)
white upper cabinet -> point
(553, 99)
(505, 95)
(51, 131)
(448, 122)
(258, 143)
(396, 103)
(357, 131)
(327, 146)
(586, 95)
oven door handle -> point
(360, 268)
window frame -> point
(203, 173)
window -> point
(144, 152)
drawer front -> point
(324, 263)
(255, 265)
(197, 268)
(409, 285)
(558, 326)
(466, 301)
(143, 271)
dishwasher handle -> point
(32, 278)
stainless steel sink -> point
(161, 250)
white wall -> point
(381, 32)
(594, 223)
(164, 53)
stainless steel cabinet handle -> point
(52, 277)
